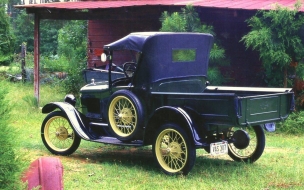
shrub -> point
(74, 80)
(276, 35)
(294, 123)
(72, 44)
(9, 162)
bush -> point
(294, 123)
(72, 44)
(9, 162)
(276, 35)
(74, 80)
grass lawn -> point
(98, 166)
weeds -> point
(294, 124)
(9, 164)
(31, 101)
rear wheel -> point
(248, 144)
(57, 134)
(125, 115)
(173, 150)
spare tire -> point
(125, 115)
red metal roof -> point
(228, 4)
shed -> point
(109, 20)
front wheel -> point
(57, 134)
(173, 150)
(248, 144)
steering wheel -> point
(129, 69)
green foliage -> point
(74, 80)
(55, 63)
(275, 34)
(49, 36)
(215, 76)
(72, 44)
(294, 124)
(31, 100)
(63, 48)
(72, 40)
(273, 76)
(24, 32)
(188, 20)
(183, 55)
(6, 37)
(8, 159)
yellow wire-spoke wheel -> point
(57, 134)
(248, 144)
(171, 150)
(122, 116)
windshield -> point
(124, 63)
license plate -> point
(219, 148)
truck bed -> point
(234, 106)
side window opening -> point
(183, 55)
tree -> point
(275, 34)
(188, 20)
(72, 44)
(24, 32)
(6, 36)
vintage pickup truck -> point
(157, 94)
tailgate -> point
(264, 108)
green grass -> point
(99, 166)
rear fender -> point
(172, 114)
(73, 117)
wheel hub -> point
(125, 115)
(174, 149)
(61, 133)
(241, 139)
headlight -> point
(70, 98)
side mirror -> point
(103, 57)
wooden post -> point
(36, 57)
(23, 54)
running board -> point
(115, 141)
(99, 124)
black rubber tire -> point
(255, 148)
(57, 134)
(125, 115)
(173, 150)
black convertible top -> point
(134, 41)
(156, 62)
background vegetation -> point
(187, 20)
(6, 36)
(9, 160)
(278, 36)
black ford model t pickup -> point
(160, 97)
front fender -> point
(73, 117)
(175, 114)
